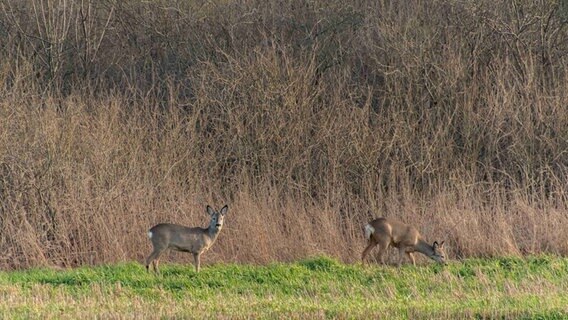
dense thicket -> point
(307, 117)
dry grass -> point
(307, 118)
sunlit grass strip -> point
(315, 288)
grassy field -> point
(530, 288)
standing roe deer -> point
(385, 232)
(194, 240)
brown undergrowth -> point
(306, 118)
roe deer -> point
(385, 232)
(194, 240)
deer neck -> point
(424, 248)
(213, 232)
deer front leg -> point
(197, 261)
(411, 257)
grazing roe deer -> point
(384, 232)
(194, 240)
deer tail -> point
(369, 230)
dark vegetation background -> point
(307, 117)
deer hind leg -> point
(370, 246)
(401, 253)
(383, 244)
(156, 264)
(153, 259)
(383, 248)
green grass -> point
(531, 288)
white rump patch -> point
(369, 230)
(150, 234)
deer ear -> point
(435, 244)
(224, 210)
(210, 211)
(442, 243)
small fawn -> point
(194, 240)
(384, 232)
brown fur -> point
(383, 232)
(194, 240)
